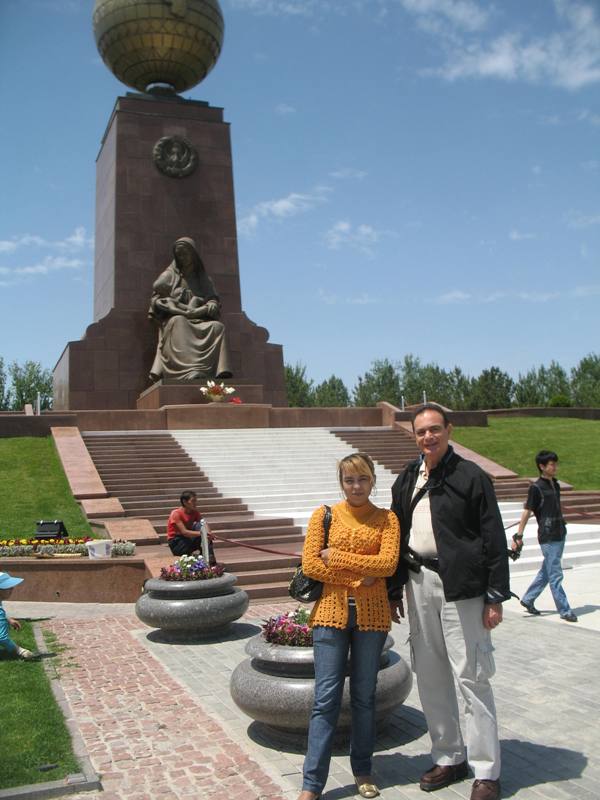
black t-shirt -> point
(544, 500)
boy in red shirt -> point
(184, 526)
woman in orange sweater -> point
(352, 614)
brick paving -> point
(158, 721)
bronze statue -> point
(184, 303)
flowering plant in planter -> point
(290, 629)
(216, 391)
(13, 548)
(191, 568)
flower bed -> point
(190, 568)
(290, 629)
(15, 548)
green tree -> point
(492, 389)
(381, 382)
(449, 388)
(4, 393)
(299, 388)
(331, 393)
(26, 381)
(585, 381)
(539, 387)
(555, 381)
(528, 391)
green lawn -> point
(34, 734)
(33, 487)
(514, 441)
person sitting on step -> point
(184, 528)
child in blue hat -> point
(7, 584)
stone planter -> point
(191, 608)
(276, 687)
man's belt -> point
(415, 562)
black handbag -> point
(301, 588)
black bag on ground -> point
(301, 588)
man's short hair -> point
(185, 496)
(430, 407)
(543, 457)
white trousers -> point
(448, 641)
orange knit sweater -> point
(363, 542)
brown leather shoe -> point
(485, 790)
(438, 777)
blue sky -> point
(411, 176)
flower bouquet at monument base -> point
(216, 392)
(190, 568)
(290, 629)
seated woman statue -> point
(191, 340)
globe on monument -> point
(159, 44)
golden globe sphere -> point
(168, 43)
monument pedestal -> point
(141, 211)
(180, 394)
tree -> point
(299, 389)
(382, 382)
(4, 393)
(585, 381)
(540, 387)
(331, 393)
(27, 380)
(528, 391)
(449, 388)
(492, 389)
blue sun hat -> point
(7, 581)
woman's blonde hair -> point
(357, 463)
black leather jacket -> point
(467, 526)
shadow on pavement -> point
(237, 630)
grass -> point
(514, 441)
(34, 734)
(33, 487)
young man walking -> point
(543, 500)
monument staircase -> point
(258, 486)
(148, 471)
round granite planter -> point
(196, 608)
(276, 686)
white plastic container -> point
(99, 548)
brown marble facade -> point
(140, 212)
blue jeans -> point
(550, 573)
(331, 654)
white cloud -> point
(363, 299)
(348, 172)
(464, 14)
(78, 240)
(277, 7)
(586, 291)
(585, 115)
(290, 206)
(361, 237)
(538, 297)
(591, 166)
(568, 58)
(576, 219)
(284, 110)
(455, 296)
(519, 236)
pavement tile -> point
(158, 722)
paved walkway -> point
(158, 721)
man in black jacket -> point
(454, 564)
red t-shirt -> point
(181, 515)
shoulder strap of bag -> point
(326, 525)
